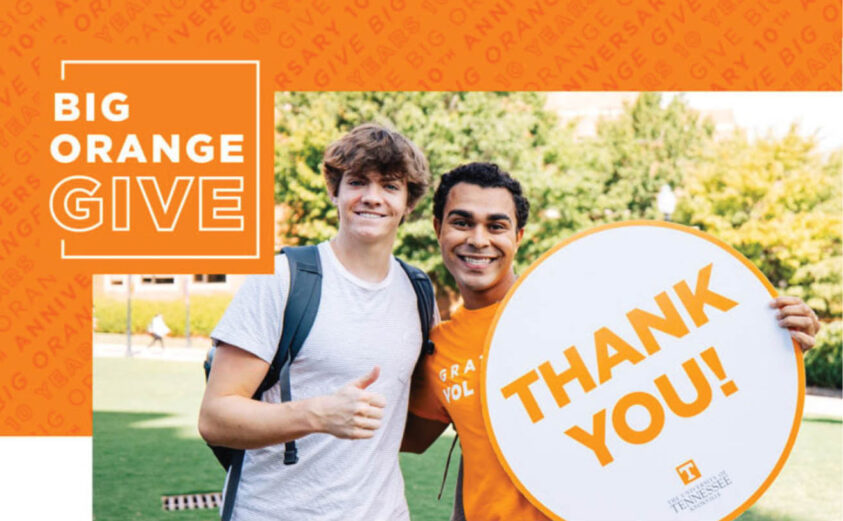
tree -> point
(511, 129)
(634, 155)
(778, 201)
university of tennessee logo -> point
(688, 472)
(157, 163)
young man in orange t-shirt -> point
(479, 217)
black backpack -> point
(299, 313)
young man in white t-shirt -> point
(350, 382)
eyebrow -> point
(376, 178)
(461, 213)
(469, 215)
(499, 217)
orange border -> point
(717, 242)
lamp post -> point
(666, 201)
(128, 315)
(186, 287)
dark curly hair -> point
(372, 147)
(487, 175)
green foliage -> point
(823, 366)
(779, 203)
(777, 200)
(511, 129)
(205, 312)
(634, 155)
(571, 185)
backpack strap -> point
(234, 471)
(448, 464)
(424, 300)
(299, 314)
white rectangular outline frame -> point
(257, 65)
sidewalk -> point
(109, 345)
(818, 403)
(818, 406)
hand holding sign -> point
(637, 378)
(799, 318)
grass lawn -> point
(146, 446)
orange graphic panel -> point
(154, 165)
(45, 301)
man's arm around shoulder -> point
(420, 433)
(229, 417)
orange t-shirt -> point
(448, 390)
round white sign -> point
(636, 371)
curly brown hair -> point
(372, 147)
(486, 175)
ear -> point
(437, 226)
(334, 193)
(518, 236)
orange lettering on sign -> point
(596, 440)
(556, 381)
(603, 338)
(521, 387)
(695, 302)
(643, 323)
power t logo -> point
(688, 471)
(156, 163)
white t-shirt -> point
(359, 325)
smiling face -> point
(371, 206)
(478, 236)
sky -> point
(819, 113)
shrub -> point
(823, 366)
(205, 312)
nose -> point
(477, 238)
(372, 194)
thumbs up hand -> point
(367, 380)
(352, 412)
